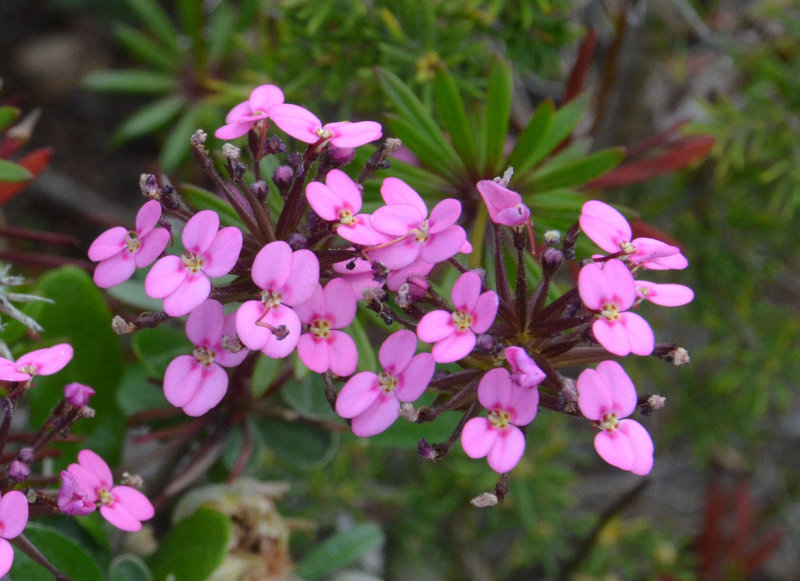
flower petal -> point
(358, 394)
(222, 254)
(343, 353)
(194, 289)
(415, 377)
(13, 513)
(478, 437)
(640, 334)
(272, 265)
(204, 324)
(108, 244)
(353, 134)
(378, 417)
(199, 232)
(210, 390)
(455, 347)
(296, 121)
(181, 380)
(620, 387)
(435, 326)
(397, 350)
(134, 501)
(507, 450)
(466, 291)
(97, 466)
(641, 445)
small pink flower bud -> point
(18, 471)
(25, 454)
(78, 394)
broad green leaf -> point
(201, 199)
(149, 118)
(527, 152)
(442, 157)
(129, 81)
(264, 373)
(342, 549)
(131, 292)
(303, 444)
(454, 117)
(579, 171)
(193, 548)
(145, 49)
(12, 172)
(177, 144)
(307, 397)
(129, 568)
(65, 554)
(157, 22)
(139, 391)
(498, 113)
(7, 116)
(158, 346)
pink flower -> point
(90, 481)
(359, 275)
(40, 362)
(198, 382)
(666, 295)
(78, 394)
(610, 231)
(182, 281)
(497, 436)
(454, 333)
(323, 347)
(505, 207)
(524, 371)
(287, 278)
(605, 396)
(610, 290)
(302, 124)
(339, 200)
(409, 232)
(257, 108)
(13, 518)
(120, 252)
(373, 400)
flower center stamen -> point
(421, 234)
(387, 381)
(323, 133)
(320, 328)
(193, 262)
(105, 497)
(462, 320)
(29, 369)
(205, 357)
(609, 422)
(610, 312)
(132, 242)
(346, 217)
(500, 419)
(627, 247)
(271, 298)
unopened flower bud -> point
(485, 500)
(391, 145)
(259, 189)
(297, 241)
(552, 259)
(656, 402)
(426, 451)
(122, 327)
(408, 413)
(282, 176)
(231, 152)
(18, 471)
(342, 155)
(132, 480)
(87, 412)
(274, 145)
(680, 356)
(78, 394)
(485, 343)
(148, 184)
(552, 238)
(25, 454)
(198, 139)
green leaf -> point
(129, 568)
(579, 171)
(527, 151)
(138, 393)
(156, 347)
(304, 445)
(441, 157)
(307, 397)
(129, 81)
(12, 172)
(222, 28)
(7, 116)
(157, 22)
(192, 17)
(498, 113)
(176, 147)
(564, 122)
(419, 178)
(65, 554)
(454, 117)
(193, 548)
(264, 373)
(340, 550)
(144, 49)
(201, 199)
(148, 119)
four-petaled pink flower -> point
(78, 394)
(120, 252)
(665, 295)
(524, 371)
(45, 361)
(339, 200)
(505, 206)
(497, 436)
(605, 396)
(90, 483)
(13, 518)
(182, 281)
(409, 233)
(243, 116)
(610, 290)
(454, 333)
(302, 124)
(610, 231)
(198, 382)
(287, 278)
(373, 400)
(324, 347)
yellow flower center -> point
(627, 247)
(105, 496)
(462, 320)
(323, 133)
(500, 419)
(610, 312)
(346, 218)
(609, 422)
(320, 328)
(421, 234)
(29, 369)
(271, 298)
(193, 262)
(205, 357)
(132, 241)
(387, 381)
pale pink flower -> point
(505, 206)
(454, 333)
(302, 124)
(339, 200)
(373, 400)
(120, 252)
(524, 371)
(243, 116)
(497, 436)
(410, 233)
(610, 231)
(324, 347)
(13, 518)
(287, 278)
(183, 281)
(45, 361)
(610, 290)
(666, 295)
(605, 396)
(90, 483)
(78, 394)
(198, 382)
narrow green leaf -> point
(222, 27)
(148, 119)
(417, 177)
(65, 554)
(129, 568)
(340, 550)
(454, 119)
(498, 113)
(7, 116)
(578, 172)
(157, 22)
(527, 152)
(176, 146)
(129, 81)
(202, 199)
(146, 50)
(442, 157)
(192, 17)
(564, 122)
(193, 548)
(12, 172)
